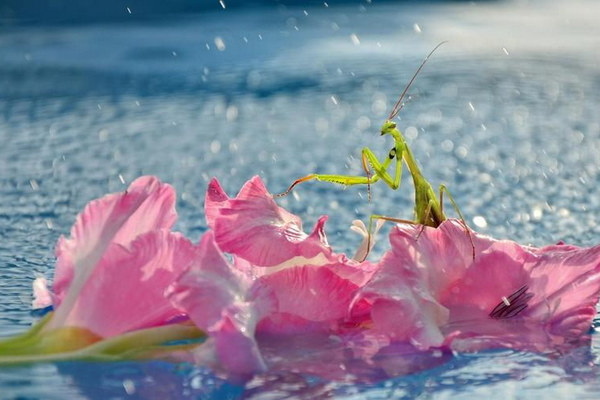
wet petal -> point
(221, 301)
(369, 238)
(254, 227)
(126, 290)
(119, 218)
(42, 297)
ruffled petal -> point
(252, 226)
(223, 302)
(401, 305)
(505, 295)
(119, 218)
(315, 293)
(565, 287)
(126, 290)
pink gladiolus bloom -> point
(281, 281)
(431, 292)
(111, 273)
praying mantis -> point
(429, 210)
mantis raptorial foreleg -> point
(369, 159)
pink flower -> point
(111, 273)
(431, 292)
(280, 280)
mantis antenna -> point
(399, 104)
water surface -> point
(505, 114)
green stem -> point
(146, 343)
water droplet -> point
(537, 212)
(129, 386)
(128, 10)
(355, 39)
(505, 50)
(34, 185)
(411, 133)
(461, 151)
(480, 221)
(231, 113)
(447, 145)
(222, 3)
(220, 43)
(103, 135)
(363, 123)
(417, 28)
(215, 146)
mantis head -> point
(388, 127)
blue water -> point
(505, 113)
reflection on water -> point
(505, 114)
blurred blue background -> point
(93, 95)
(86, 11)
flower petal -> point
(566, 287)
(126, 290)
(42, 297)
(117, 218)
(254, 227)
(220, 301)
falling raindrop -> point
(222, 3)
(355, 39)
(417, 28)
(129, 386)
(220, 43)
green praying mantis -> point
(429, 210)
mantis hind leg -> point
(443, 189)
(370, 232)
